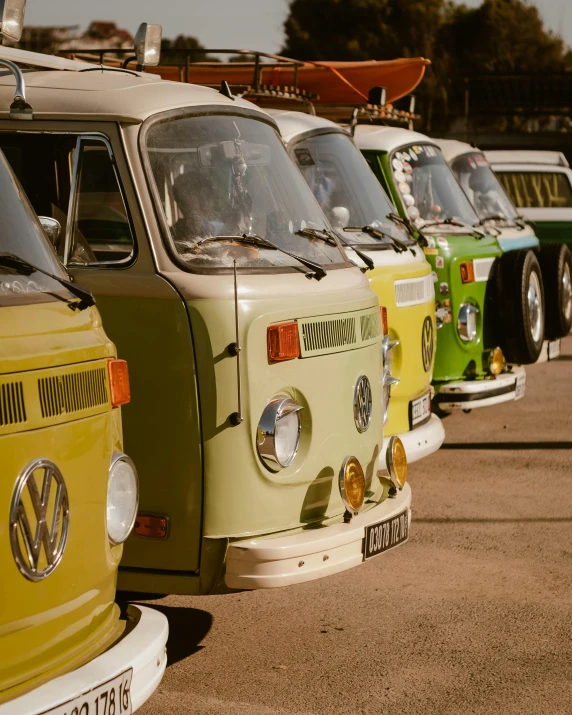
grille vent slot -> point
(327, 334)
(72, 392)
(370, 325)
(12, 406)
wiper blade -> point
(500, 217)
(23, 267)
(325, 235)
(254, 240)
(475, 232)
(413, 230)
(398, 246)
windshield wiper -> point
(254, 240)
(326, 236)
(500, 217)
(475, 232)
(413, 230)
(86, 299)
(397, 245)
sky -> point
(249, 24)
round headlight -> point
(278, 433)
(467, 322)
(352, 484)
(496, 361)
(396, 459)
(122, 498)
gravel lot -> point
(473, 615)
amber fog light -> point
(352, 485)
(396, 460)
(496, 361)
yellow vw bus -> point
(254, 343)
(366, 221)
(68, 492)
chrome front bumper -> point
(470, 394)
(270, 562)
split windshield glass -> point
(428, 188)
(347, 190)
(482, 186)
(227, 175)
(22, 235)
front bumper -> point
(550, 351)
(142, 649)
(308, 555)
(470, 394)
(419, 442)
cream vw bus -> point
(254, 344)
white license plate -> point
(419, 410)
(385, 535)
(110, 698)
(553, 349)
(520, 386)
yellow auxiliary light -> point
(496, 361)
(396, 459)
(352, 485)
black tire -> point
(556, 263)
(520, 325)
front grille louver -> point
(12, 405)
(337, 333)
(73, 392)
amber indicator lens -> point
(119, 382)
(352, 484)
(283, 342)
(397, 462)
(467, 272)
(384, 325)
(496, 361)
(152, 527)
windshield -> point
(482, 186)
(346, 188)
(228, 175)
(538, 189)
(22, 235)
(428, 188)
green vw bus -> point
(254, 344)
(68, 491)
(472, 354)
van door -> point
(87, 186)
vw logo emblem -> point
(39, 519)
(362, 404)
(427, 344)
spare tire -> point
(556, 263)
(520, 294)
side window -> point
(98, 229)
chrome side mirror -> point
(52, 228)
(12, 18)
(148, 45)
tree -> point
(184, 42)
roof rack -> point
(255, 89)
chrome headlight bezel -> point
(467, 327)
(120, 457)
(276, 409)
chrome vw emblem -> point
(427, 344)
(362, 404)
(39, 519)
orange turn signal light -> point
(283, 342)
(151, 526)
(467, 272)
(384, 324)
(119, 382)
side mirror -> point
(12, 19)
(340, 217)
(148, 45)
(52, 228)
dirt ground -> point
(473, 615)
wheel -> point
(520, 293)
(556, 263)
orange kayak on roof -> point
(333, 82)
